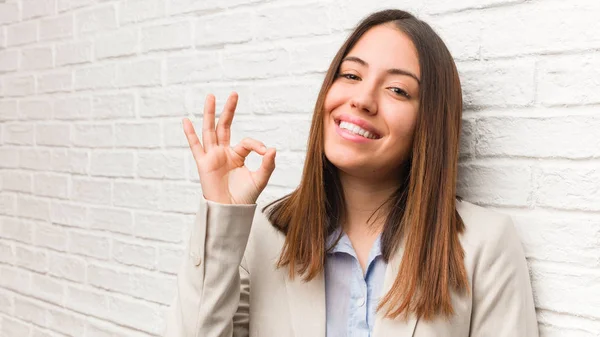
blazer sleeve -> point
(213, 287)
(503, 303)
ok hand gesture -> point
(223, 176)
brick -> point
(99, 18)
(32, 259)
(73, 108)
(133, 11)
(137, 135)
(8, 203)
(30, 311)
(84, 300)
(93, 135)
(140, 73)
(225, 27)
(154, 287)
(117, 43)
(73, 53)
(484, 83)
(569, 187)
(497, 184)
(57, 27)
(188, 6)
(7, 256)
(89, 245)
(96, 77)
(112, 164)
(114, 106)
(136, 195)
(65, 5)
(19, 133)
(34, 159)
(312, 57)
(66, 322)
(134, 254)
(167, 37)
(173, 135)
(160, 227)
(461, 33)
(94, 191)
(567, 238)
(34, 208)
(68, 214)
(37, 8)
(51, 185)
(8, 110)
(20, 230)
(199, 67)
(136, 314)
(274, 97)
(238, 64)
(440, 6)
(154, 165)
(36, 109)
(53, 134)
(67, 267)
(246, 97)
(111, 219)
(9, 61)
(169, 260)
(179, 197)
(309, 20)
(109, 279)
(13, 327)
(528, 28)
(69, 161)
(56, 81)
(512, 136)
(21, 33)
(9, 12)
(23, 85)
(17, 181)
(569, 79)
(163, 102)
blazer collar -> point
(308, 311)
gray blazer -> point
(228, 285)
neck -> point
(362, 198)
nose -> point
(364, 99)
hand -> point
(223, 176)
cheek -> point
(334, 98)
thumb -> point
(262, 175)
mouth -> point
(347, 127)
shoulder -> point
(489, 235)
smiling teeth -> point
(356, 130)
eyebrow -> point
(393, 71)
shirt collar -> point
(345, 246)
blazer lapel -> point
(398, 327)
(307, 306)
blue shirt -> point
(351, 297)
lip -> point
(358, 121)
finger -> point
(224, 125)
(209, 137)
(192, 138)
(262, 175)
(248, 145)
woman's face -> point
(377, 90)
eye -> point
(400, 92)
(351, 77)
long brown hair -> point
(422, 211)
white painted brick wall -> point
(98, 188)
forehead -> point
(386, 47)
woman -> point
(373, 242)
